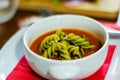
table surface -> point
(20, 19)
(93, 8)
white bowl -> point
(72, 69)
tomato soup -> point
(93, 39)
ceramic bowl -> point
(66, 69)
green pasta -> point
(74, 51)
(48, 41)
(64, 46)
(57, 49)
(61, 34)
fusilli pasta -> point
(64, 46)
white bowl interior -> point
(64, 21)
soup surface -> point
(93, 39)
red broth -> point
(94, 40)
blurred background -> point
(15, 14)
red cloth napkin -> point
(101, 73)
(110, 25)
(22, 71)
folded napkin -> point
(101, 73)
(22, 71)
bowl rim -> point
(68, 61)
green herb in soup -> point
(66, 44)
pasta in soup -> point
(66, 44)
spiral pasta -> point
(75, 39)
(48, 41)
(61, 34)
(74, 51)
(64, 46)
(57, 49)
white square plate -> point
(12, 52)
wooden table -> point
(104, 9)
(19, 20)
